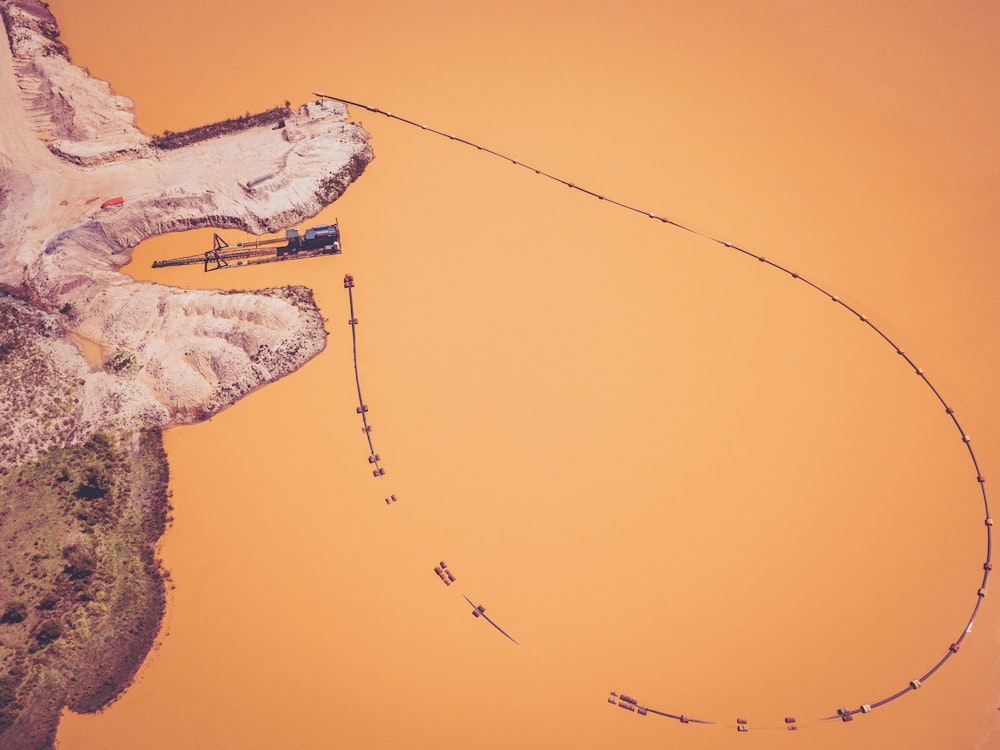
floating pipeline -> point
(844, 714)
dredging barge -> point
(323, 239)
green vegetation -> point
(333, 186)
(170, 140)
(38, 402)
(14, 612)
(122, 362)
(81, 594)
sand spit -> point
(80, 465)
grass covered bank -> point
(81, 591)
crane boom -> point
(323, 239)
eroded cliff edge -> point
(82, 471)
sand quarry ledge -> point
(69, 143)
(83, 474)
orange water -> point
(663, 467)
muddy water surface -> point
(664, 468)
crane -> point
(323, 239)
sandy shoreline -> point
(93, 365)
